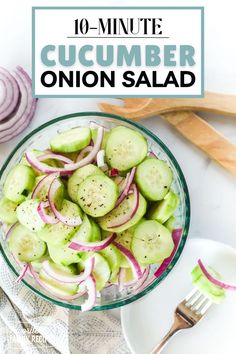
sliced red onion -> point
(77, 279)
(10, 230)
(47, 219)
(91, 156)
(214, 280)
(53, 156)
(11, 94)
(23, 272)
(84, 152)
(151, 154)
(121, 279)
(44, 286)
(126, 186)
(44, 181)
(101, 163)
(21, 117)
(42, 167)
(176, 235)
(95, 125)
(114, 173)
(123, 219)
(141, 282)
(83, 246)
(67, 220)
(90, 285)
(131, 259)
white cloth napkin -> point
(31, 325)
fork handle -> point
(178, 325)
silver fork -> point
(187, 314)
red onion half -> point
(11, 94)
(22, 116)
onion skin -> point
(82, 246)
(12, 94)
(213, 280)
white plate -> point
(146, 321)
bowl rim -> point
(179, 251)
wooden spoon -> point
(187, 123)
(212, 102)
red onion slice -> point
(126, 187)
(77, 279)
(11, 96)
(214, 280)
(91, 156)
(45, 180)
(176, 235)
(123, 219)
(25, 110)
(121, 281)
(42, 167)
(151, 154)
(53, 156)
(83, 246)
(22, 273)
(67, 220)
(10, 230)
(90, 285)
(47, 219)
(140, 285)
(44, 286)
(84, 152)
(131, 259)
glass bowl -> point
(110, 297)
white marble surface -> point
(212, 190)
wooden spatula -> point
(189, 124)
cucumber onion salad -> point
(17, 106)
(93, 210)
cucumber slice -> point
(63, 255)
(101, 270)
(169, 224)
(152, 242)
(78, 177)
(8, 211)
(71, 140)
(113, 257)
(163, 210)
(60, 234)
(154, 178)
(28, 215)
(125, 237)
(214, 292)
(96, 232)
(19, 183)
(25, 244)
(97, 195)
(57, 287)
(94, 133)
(84, 232)
(125, 148)
(123, 208)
